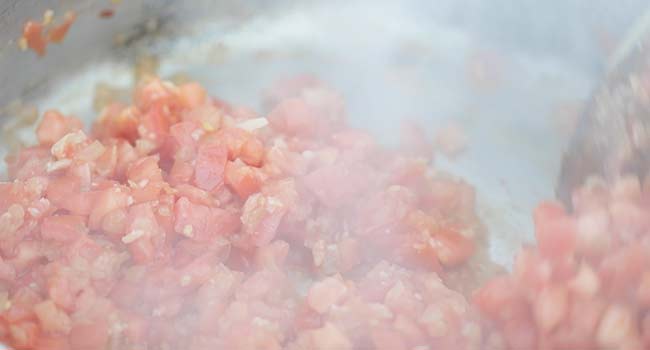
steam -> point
(406, 59)
(396, 60)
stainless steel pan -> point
(392, 59)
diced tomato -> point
(197, 272)
(154, 92)
(628, 219)
(126, 154)
(9, 195)
(181, 172)
(593, 237)
(388, 339)
(243, 179)
(551, 307)
(57, 33)
(307, 318)
(107, 201)
(349, 250)
(593, 195)
(239, 143)
(334, 185)
(452, 248)
(69, 145)
(27, 253)
(252, 152)
(520, 334)
(91, 152)
(26, 296)
(192, 94)
(273, 255)
(89, 336)
(126, 294)
(616, 327)
(51, 318)
(118, 121)
(7, 271)
(63, 192)
(564, 269)
(548, 211)
(92, 308)
(154, 126)
(21, 308)
(410, 172)
(279, 160)
(145, 179)
(63, 228)
(645, 329)
(555, 231)
(194, 194)
(88, 249)
(643, 291)
(222, 105)
(500, 299)
(330, 337)
(406, 250)
(114, 223)
(384, 212)
(136, 328)
(106, 13)
(29, 162)
(202, 223)
(585, 314)
(294, 117)
(261, 218)
(54, 342)
(401, 299)
(210, 165)
(58, 290)
(11, 222)
(191, 219)
(329, 104)
(105, 165)
(54, 126)
(184, 142)
(622, 270)
(326, 293)
(164, 211)
(356, 144)
(141, 229)
(187, 250)
(207, 116)
(243, 112)
(531, 270)
(144, 169)
(24, 335)
(378, 281)
(291, 87)
(142, 250)
(33, 34)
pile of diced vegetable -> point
(185, 222)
